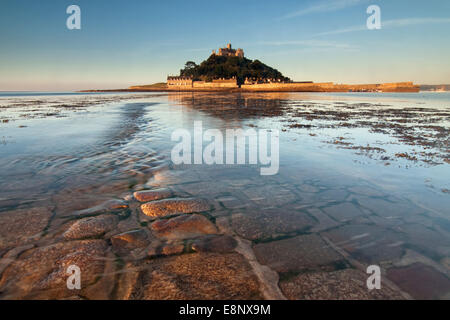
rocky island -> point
(229, 70)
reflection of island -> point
(233, 106)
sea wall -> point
(293, 86)
(216, 84)
(332, 87)
(231, 84)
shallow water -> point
(378, 194)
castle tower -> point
(229, 46)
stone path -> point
(164, 242)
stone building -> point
(179, 81)
(229, 52)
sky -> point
(123, 43)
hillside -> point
(216, 67)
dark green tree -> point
(226, 67)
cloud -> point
(388, 24)
(323, 7)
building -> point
(182, 83)
(179, 81)
(229, 52)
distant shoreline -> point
(400, 87)
(228, 90)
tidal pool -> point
(363, 180)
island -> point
(229, 70)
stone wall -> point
(224, 83)
(331, 87)
(292, 86)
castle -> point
(229, 52)
(253, 84)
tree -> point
(219, 66)
(190, 65)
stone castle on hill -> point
(181, 83)
(229, 52)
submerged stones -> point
(268, 224)
(152, 195)
(167, 207)
(109, 205)
(125, 242)
(41, 273)
(183, 227)
(214, 243)
(421, 281)
(191, 276)
(22, 226)
(347, 284)
(297, 254)
(363, 242)
(91, 227)
(343, 212)
(166, 249)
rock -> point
(167, 207)
(213, 243)
(232, 203)
(430, 241)
(368, 243)
(297, 254)
(104, 285)
(367, 191)
(446, 263)
(125, 242)
(268, 224)
(109, 205)
(127, 282)
(165, 249)
(389, 209)
(333, 195)
(324, 221)
(127, 224)
(40, 273)
(183, 227)
(22, 226)
(347, 284)
(307, 188)
(12, 255)
(196, 276)
(90, 227)
(421, 281)
(343, 211)
(269, 195)
(151, 195)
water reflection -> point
(327, 215)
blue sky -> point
(122, 43)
